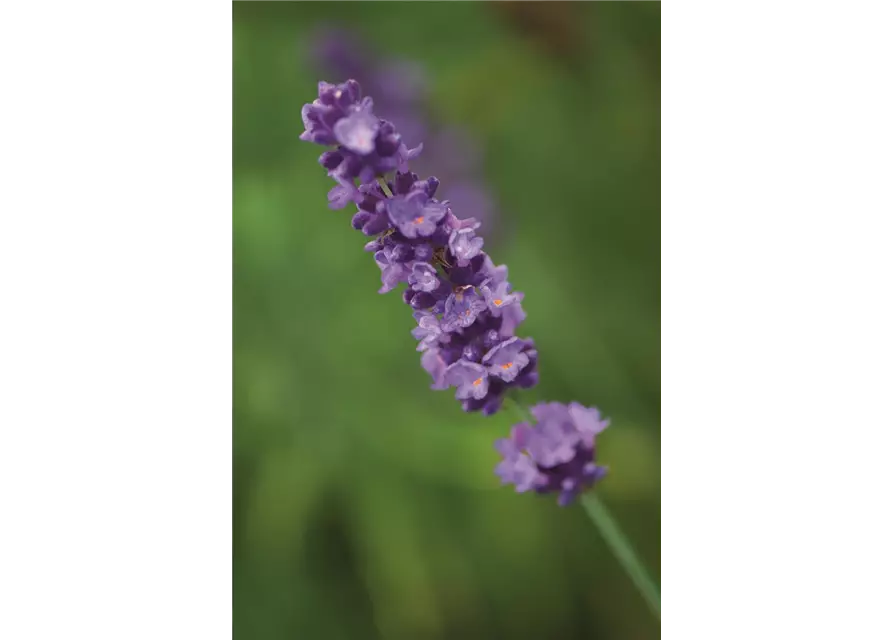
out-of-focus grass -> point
(364, 503)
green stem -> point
(617, 542)
(521, 411)
(621, 548)
(384, 186)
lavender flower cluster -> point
(557, 454)
(368, 147)
(466, 310)
(401, 92)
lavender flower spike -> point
(466, 310)
(466, 314)
(369, 147)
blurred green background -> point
(365, 505)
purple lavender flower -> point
(466, 311)
(465, 245)
(506, 360)
(517, 468)
(512, 315)
(415, 215)
(392, 272)
(401, 92)
(436, 366)
(423, 277)
(341, 195)
(422, 300)
(498, 298)
(588, 422)
(561, 446)
(358, 130)
(469, 378)
(370, 147)
(554, 441)
(428, 332)
(494, 275)
(462, 308)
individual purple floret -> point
(512, 315)
(357, 131)
(506, 360)
(463, 308)
(561, 447)
(434, 364)
(588, 421)
(334, 103)
(393, 272)
(517, 468)
(498, 297)
(465, 245)
(423, 277)
(415, 215)
(469, 378)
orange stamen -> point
(507, 366)
(498, 302)
(478, 381)
(419, 220)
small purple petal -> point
(469, 378)
(331, 159)
(423, 277)
(587, 421)
(360, 219)
(378, 223)
(506, 360)
(463, 307)
(340, 196)
(357, 132)
(434, 364)
(391, 276)
(519, 471)
(403, 253)
(465, 245)
(415, 215)
(498, 298)
(512, 315)
(422, 300)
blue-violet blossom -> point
(464, 305)
(556, 455)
